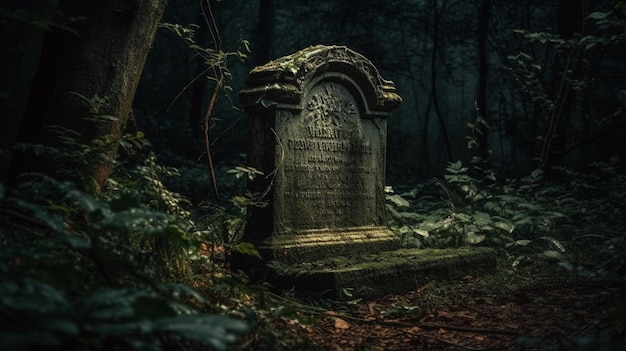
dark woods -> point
(539, 83)
(123, 156)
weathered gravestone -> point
(317, 129)
(318, 132)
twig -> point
(207, 142)
(582, 329)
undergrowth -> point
(575, 223)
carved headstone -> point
(318, 130)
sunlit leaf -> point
(552, 254)
(421, 232)
(398, 200)
(474, 238)
(597, 15)
(246, 249)
(505, 225)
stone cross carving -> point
(317, 130)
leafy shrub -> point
(73, 277)
(571, 222)
(94, 270)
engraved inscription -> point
(329, 107)
(329, 162)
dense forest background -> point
(116, 229)
(541, 83)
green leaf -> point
(421, 232)
(412, 243)
(398, 200)
(597, 15)
(474, 238)
(410, 215)
(482, 218)
(504, 224)
(246, 249)
(552, 254)
(456, 167)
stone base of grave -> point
(315, 244)
(393, 272)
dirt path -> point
(546, 312)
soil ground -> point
(538, 307)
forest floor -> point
(537, 307)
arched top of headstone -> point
(283, 82)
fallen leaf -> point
(415, 329)
(341, 324)
(465, 314)
(370, 307)
(330, 313)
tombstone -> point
(318, 132)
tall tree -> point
(265, 28)
(101, 55)
(483, 70)
(569, 21)
(433, 78)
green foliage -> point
(574, 84)
(467, 212)
(74, 276)
(94, 270)
(219, 227)
(529, 218)
(214, 58)
(612, 26)
(76, 153)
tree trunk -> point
(264, 32)
(433, 80)
(198, 97)
(102, 55)
(483, 70)
(569, 21)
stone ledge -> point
(393, 272)
(317, 244)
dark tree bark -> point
(102, 56)
(264, 32)
(483, 70)
(433, 80)
(569, 21)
